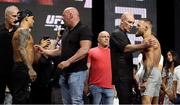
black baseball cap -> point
(22, 14)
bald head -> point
(126, 15)
(103, 33)
(127, 21)
(103, 39)
(71, 10)
(71, 17)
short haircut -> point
(148, 21)
(9, 9)
(22, 14)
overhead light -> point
(139, 0)
(78, 0)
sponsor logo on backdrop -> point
(54, 21)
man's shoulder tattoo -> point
(24, 35)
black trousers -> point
(20, 83)
(4, 81)
(124, 91)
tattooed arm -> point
(148, 63)
(24, 36)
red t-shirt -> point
(100, 71)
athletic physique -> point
(151, 82)
(23, 45)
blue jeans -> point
(72, 87)
(102, 95)
(177, 100)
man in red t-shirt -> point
(100, 75)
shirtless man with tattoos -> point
(151, 81)
(23, 72)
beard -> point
(138, 33)
(31, 26)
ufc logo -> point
(54, 21)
